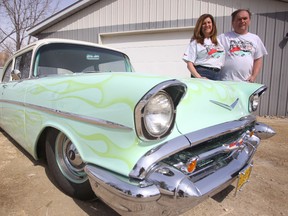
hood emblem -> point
(226, 106)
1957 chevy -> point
(144, 144)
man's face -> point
(241, 22)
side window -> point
(22, 63)
(7, 73)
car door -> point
(5, 78)
(13, 97)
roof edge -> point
(61, 15)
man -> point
(244, 50)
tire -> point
(66, 166)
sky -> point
(64, 3)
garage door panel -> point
(175, 70)
(154, 52)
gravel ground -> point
(26, 188)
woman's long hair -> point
(198, 34)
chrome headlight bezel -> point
(151, 122)
(254, 99)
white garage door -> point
(157, 52)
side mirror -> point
(16, 74)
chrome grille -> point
(212, 155)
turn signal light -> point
(191, 165)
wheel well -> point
(41, 152)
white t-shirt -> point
(241, 51)
(207, 55)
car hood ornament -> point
(226, 106)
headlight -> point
(255, 99)
(155, 113)
(254, 103)
(158, 114)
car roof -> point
(41, 42)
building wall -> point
(269, 21)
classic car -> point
(142, 143)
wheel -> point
(66, 166)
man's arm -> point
(256, 69)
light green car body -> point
(111, 97)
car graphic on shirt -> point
(214, 51)
(240, 48)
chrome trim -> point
(263, 131)
(224, 148)
(258, 92)
(226, 106)
(181, 89)
(219, 130)
(164, 193)
(132, 189)
(121, 194)
(72, 116)
(146, 162)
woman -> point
(205, 55)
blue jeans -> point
(209, 73)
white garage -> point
(157, 51)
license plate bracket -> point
(243, 177)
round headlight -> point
(254, 102)
(158, 114)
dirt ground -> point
(26, 189)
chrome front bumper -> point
(170, 192)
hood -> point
(208, 103)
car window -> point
(7, 72)
(22, 63)
(54, 59)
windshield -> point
(72, 58)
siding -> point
(269, 21)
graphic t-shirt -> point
(207, 55)
(241, 51)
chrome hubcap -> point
(69, 159)
(73, 156)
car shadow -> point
(219, 197)
(96, 207)
(20, 148)
(93, 207)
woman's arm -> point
(193, 70)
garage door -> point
(156, 52)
